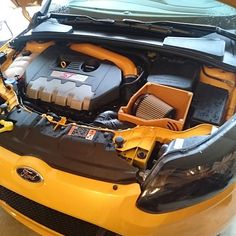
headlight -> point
(191, 173)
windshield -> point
(192, 11)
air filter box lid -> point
(181, 74)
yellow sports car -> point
(118, 118)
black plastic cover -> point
(181, 73)
(52, 26)
(209, 105)
(213, 47)
(95, 83)
(79, 150)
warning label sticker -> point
(90, 135)
(82, 132)
(69, 76)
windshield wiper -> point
(164, 27)
(179, 27)
(74, 19)
(77, 19)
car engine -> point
(116, 96)
(72, 80)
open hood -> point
(26, 3)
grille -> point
(52, 219)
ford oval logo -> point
(29, 174)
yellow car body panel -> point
(40, 229)
(100, 203)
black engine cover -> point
(67, 78)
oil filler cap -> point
(90, 65)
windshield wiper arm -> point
(71, 18)
(77, 19)
(164, 27)
(181, 27)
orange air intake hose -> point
(126, 65)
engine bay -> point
(132, 101)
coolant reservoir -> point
(19, 65)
